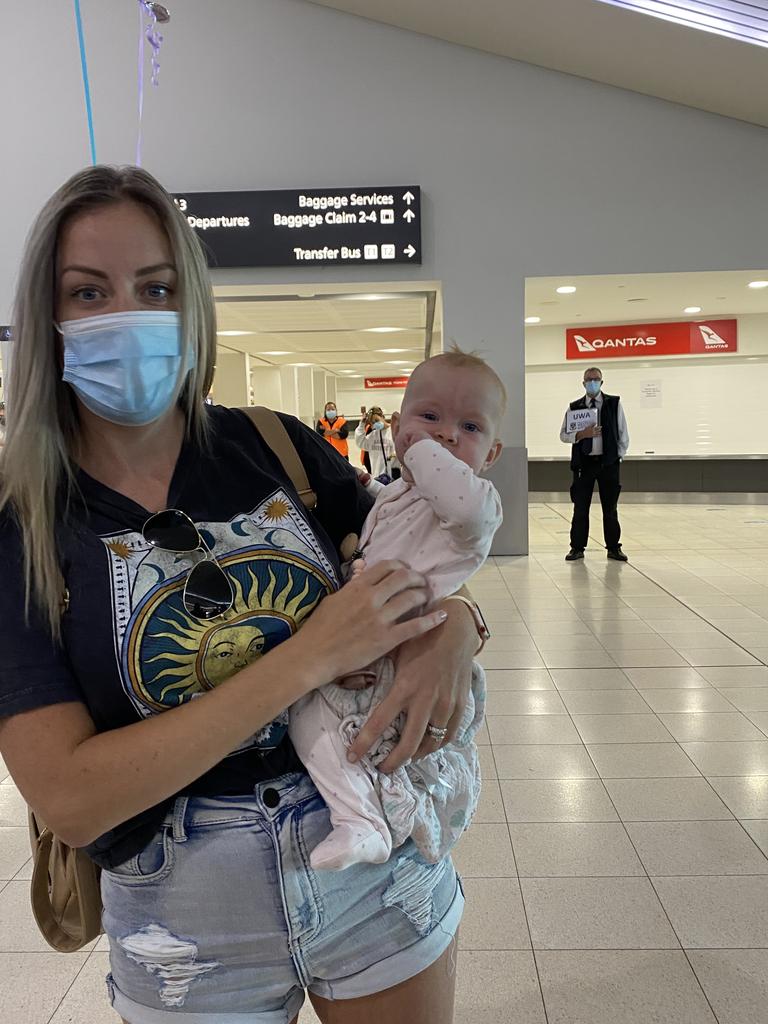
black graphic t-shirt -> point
(130, 650)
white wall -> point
(350, 399)
(525, 172)
(708, 405)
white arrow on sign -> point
(410, 252)
(409, 215)
(409, 197)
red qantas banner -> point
(619, 342)
(386, 382)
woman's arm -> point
(432, 679)
(83, 783)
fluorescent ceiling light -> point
(366, 297)
(301, 364)
(394, 351)
(234, 334)
(692, 309)
(758, 284)
(566, 289)
(383, 330)
(734, 19)
(533, 319)
(394, 362)
(275, 353)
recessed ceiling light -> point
(742, 21)
(566, 289)
(533, 319)
(234, 334)
(393, 351)
(692, 309)
(383, 330)
(758, 284)
(275, 353)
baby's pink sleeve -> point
(467, 505)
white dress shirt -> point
(597, 442)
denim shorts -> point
(221, 919)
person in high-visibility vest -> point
(334, 429)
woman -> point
(374, 436)
(143, 691)
(334, 429)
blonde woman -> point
(156, 565)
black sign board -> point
(309, 227)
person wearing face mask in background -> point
(379, 445)
(334, 429)
(596, 454)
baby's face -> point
(460, 407)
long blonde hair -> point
(37, 477)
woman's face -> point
(111, 259)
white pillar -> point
(289, 389)
(267, 389)
(232, 383)
(306, 399)
(318, 392)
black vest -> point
(609, 421)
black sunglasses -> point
(207, 592)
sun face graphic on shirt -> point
(195, 655)
(279, 573)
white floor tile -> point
(641, 761)
(494, 917)
(33, 984)
(696, 726)
(548, 761)
(595, 913)
(561, 800)
(501, 987)
(729, 758)
(621, 729)
(605, 702)
(666, 800)
(696, 848)
(621, 987)
(717, 912)
(735, 982)
(573, 849)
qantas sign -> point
(672, 339)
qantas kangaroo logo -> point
(711, 338)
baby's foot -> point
(350, 844)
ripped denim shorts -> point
(222, 920)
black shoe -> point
(617, 554)
(574, 554)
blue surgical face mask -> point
(378, 425)
(126, 367)
(593, 387)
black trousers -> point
(582, 488)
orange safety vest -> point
(339, 443)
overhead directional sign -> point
(307, 227)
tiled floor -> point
(617, 871)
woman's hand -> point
(363, 621)
(432, 677)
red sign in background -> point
(696, 337)
(386, 382)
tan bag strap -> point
(85, 896)
(276, 436)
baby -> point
(439, 519)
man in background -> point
(334, 429)
(596, 454)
